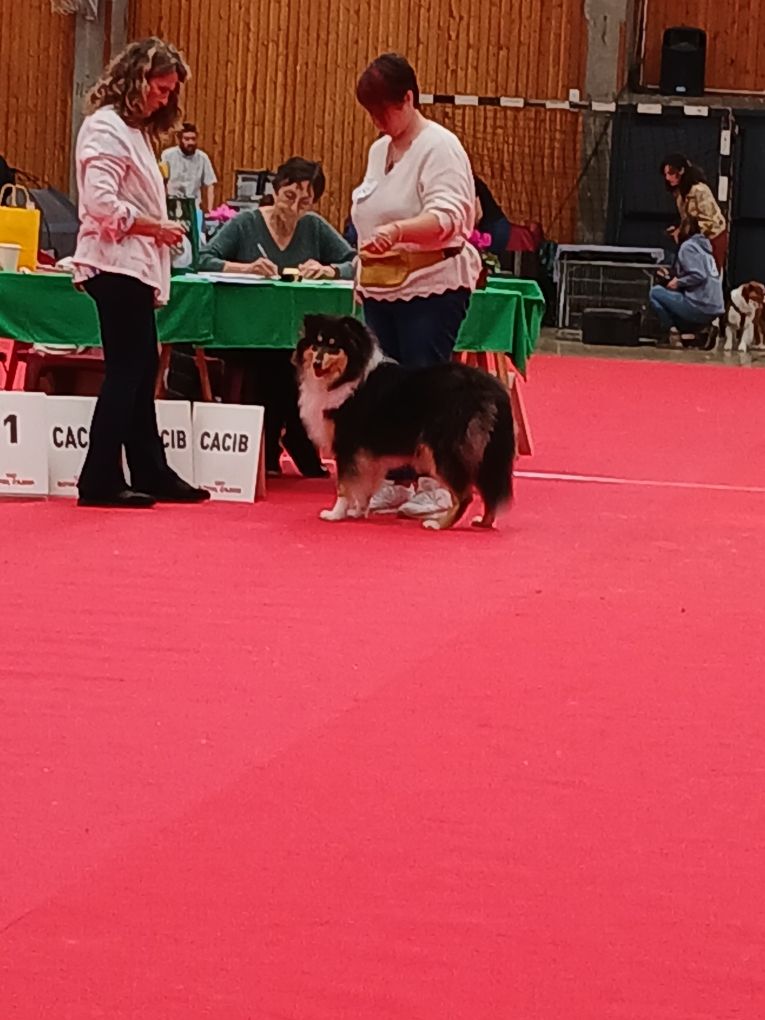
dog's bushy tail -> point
(494, 479)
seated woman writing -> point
(265, 242)
(692, 297)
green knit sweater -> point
(314, 238)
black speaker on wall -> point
(683, 62)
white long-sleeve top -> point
(433, 175)
(118, 180)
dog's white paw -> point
(330, 515)
(338, 512)
(431, 524)
(357, 512)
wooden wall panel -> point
(735, 39)
(36, 69)
(531, 157)
(274, 79)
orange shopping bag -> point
(20, 224)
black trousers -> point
(125, 415)
(268, 379)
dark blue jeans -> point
(420, 332)
(672, 308)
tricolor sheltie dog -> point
(449, 421)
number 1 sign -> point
(23, 444)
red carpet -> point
(258, 767)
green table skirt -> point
(46, 309)
(271, 314)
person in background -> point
(692, 297)
(350, 234)
(414, 213)
(490, 219)
(190, 172)
(263, 242)
(695, 201)
(122, 261)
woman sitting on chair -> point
(692, 297)
(264, 242)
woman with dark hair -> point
(263, 242)
(284, 235)
(695, 201)
(414, 212)
(123, 262)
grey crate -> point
(605, 285)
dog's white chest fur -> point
(740, 324)
(315, 401)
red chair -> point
(18, 354)
(525, 237)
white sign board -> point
(68, 439)
(23, 444)
(174, 422)
(227, 449)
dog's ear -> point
(355, 328)
(311, 326)
(311, 329)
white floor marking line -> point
(551, 476)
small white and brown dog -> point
(743, 317)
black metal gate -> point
(640, 208)
(747, 250)
(728, 145)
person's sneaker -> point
(709, 336)
(389, 497)
(429, 499)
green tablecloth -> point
(46, 309)
(502, 320)
(271, 314)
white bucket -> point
(9, 257)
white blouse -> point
(433, 175)
(119, 181)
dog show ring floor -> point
(257, 766)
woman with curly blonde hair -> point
(123, 262)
